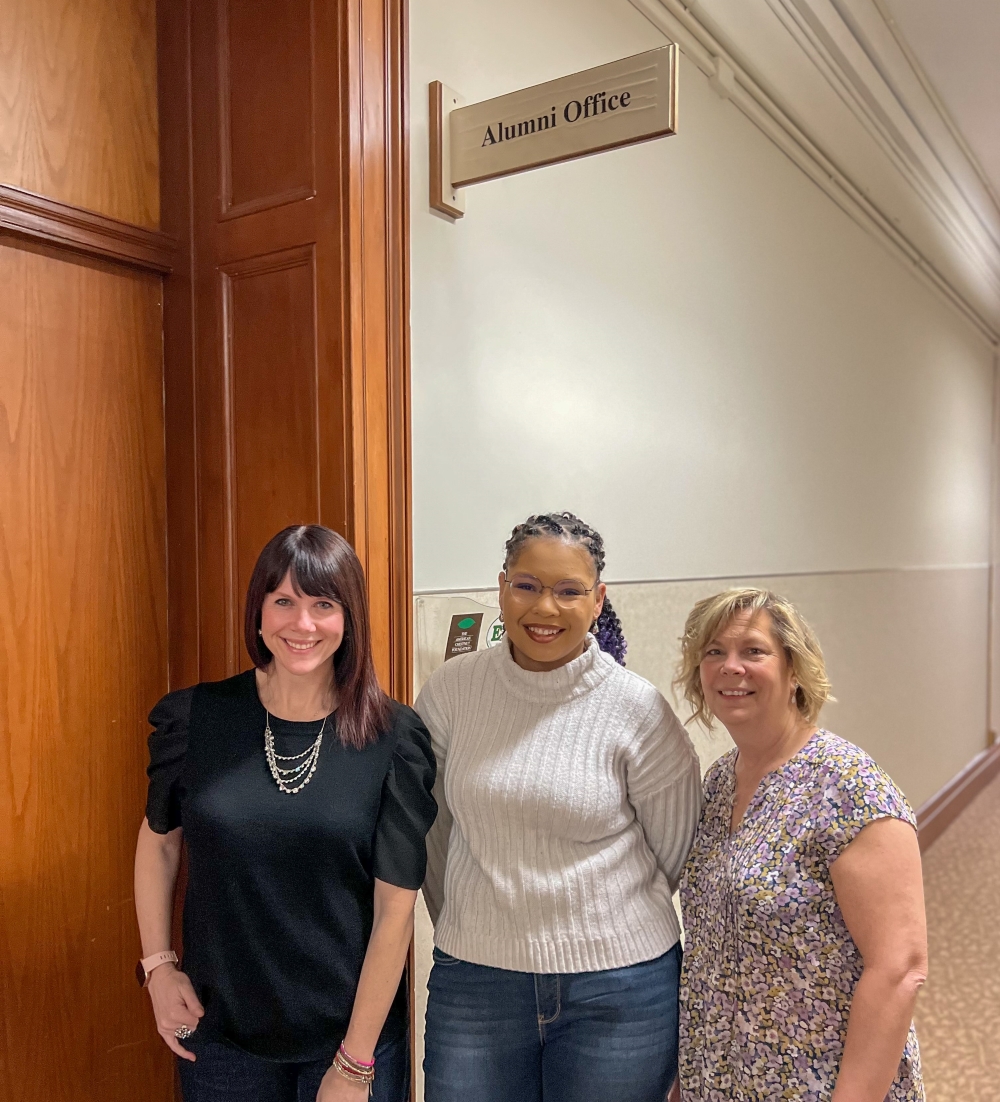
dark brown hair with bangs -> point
(323, 564)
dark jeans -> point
(500, 1036)
(223, 1073)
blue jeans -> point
(224, 1073)
(499, 1036)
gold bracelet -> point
(355, 1072)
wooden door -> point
(284, 176)
(83, 588)
(267, 287)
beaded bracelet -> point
(356, 1071)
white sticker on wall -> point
(493, 634)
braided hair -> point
(607, 628)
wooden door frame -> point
(378, 283)
(378, 332)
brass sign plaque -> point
(621, 103)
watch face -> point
(140, 974)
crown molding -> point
(931, 93)
(833, 85)
(859, 54)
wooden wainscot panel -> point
(268, 284)
(624, 102)
(337, 192)
(266, 104)
(272, 378)
(83, 651)
(78, 116)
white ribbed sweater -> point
(567, 801)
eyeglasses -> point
(525, 589)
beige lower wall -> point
(906, 651)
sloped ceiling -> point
(840, 87)
(957, 43)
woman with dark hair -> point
(304, 796)
(569, 795)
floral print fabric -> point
(769, 965)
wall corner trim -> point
(50, 222)
(943, 808)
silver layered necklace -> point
(292, 778)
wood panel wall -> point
(274, 379)
(83, 588)
(83, 640)
(266, 137)
(78, 119)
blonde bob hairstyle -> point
(796, 637)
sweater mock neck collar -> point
(555, 686)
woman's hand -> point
(157, 858)
(174, 1004)
(335, 1088)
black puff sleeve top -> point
(280, 895)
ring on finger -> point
(182, 1032)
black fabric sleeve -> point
(408, 809)
(167, 749)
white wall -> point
(689, 344)
(684, 341)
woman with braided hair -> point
(569, 795)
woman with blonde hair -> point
(805, 939)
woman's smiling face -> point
(545, 633)
(746, 675)
(301, 631)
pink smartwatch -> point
(144, 969)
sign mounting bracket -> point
(444, 198)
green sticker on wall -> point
(463, 636)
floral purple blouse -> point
(769, 966)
